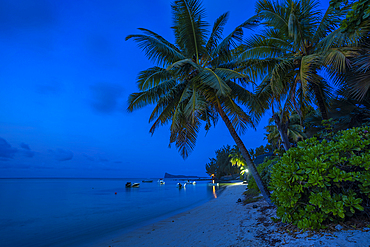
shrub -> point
(316, 183)
(264, 170)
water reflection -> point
(214, 192)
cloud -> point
(103, 160)
(6, 151)
(61, 154)
(88, 157)
(25, 146)
(28, 154)
(26, 150)
(105, 97)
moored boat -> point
(135, 185)
(147, 181)
(128, 184)
(191, 182)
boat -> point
(191, 182)
(128, 184)
(135, 185)
(147, 181)
(160, 181)
(179, 185)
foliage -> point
(221, 165)
(295, 131)
(264, 170)
(355, 82)
(318, 182)
(194, 79)
(344, 114)
(261, 150)
(359, 13)
(296, 43)
(238, 160)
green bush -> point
(264, 170)
(316, 183)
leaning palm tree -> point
(195, 80)
(295, 45)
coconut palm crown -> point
(296, 43)
(195, 80)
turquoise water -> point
(73, 212)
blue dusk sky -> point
(66, 72)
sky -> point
(66, 72)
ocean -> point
(74, 212)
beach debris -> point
(239, 200)
(338, 227)
(254, 206)
(115, 193)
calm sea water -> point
(73, 212)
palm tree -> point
(355, 82)
(294, 132)
(221, 165)
(237, 160)
(296, 43)
(195, 80)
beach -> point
(225, 222)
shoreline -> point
(224, 222)
(175, 230)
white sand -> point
(223, 222)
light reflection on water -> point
(214, 192)
(67, 212)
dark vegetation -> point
(221, 165)
(324, 181)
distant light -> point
(246, 170)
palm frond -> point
(190, 27)
(156, 50)
(216, 35)
(150, 96)
(184, 134)
(210, 78)
(152, 77)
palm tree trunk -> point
(320, 101)
(265, 192)
(283, 131)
